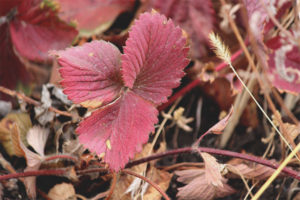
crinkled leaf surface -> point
(36, 29)
(93, 17)
(91, 73)
(221, 125)
(284, 65)
(152, 65)
(154, 57)
(196, 17)
(120, 129)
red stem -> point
(61, 156)
(287, 171)
(195, 82)
(34, 173)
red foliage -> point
(152, 64)
(32, 28)
(196, 17)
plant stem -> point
(62, 156)
(31, 101)
(148, 181)
(34, 173)
(287, 171)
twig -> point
(276, 173)
(148, 181)
(283, 136)
(61, 156)
(92, 170)
(287, 171)
(162, 126)
(54, 172)
(30, 100)
(112, 186)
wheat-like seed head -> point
(220, 49)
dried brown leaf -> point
(249, 170)
(212, 170)
(198, 187)
(220, 126)
(7, 135)
(62, 191)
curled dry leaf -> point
(220, 126)
(43, 115)
(62, 191)
(37, 138)
(7, 136)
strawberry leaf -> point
(154, 57)
(11, 68)
(151, 66)
(91, 73)
(120, 129)
(86, 13)
(7, 5)
(196, 17)
(284, 67)
(36, 29)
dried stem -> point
(112, 186)
(276, 173)
(61, 156)
(288, 171)
(285, 137)
(55, 172)
(148, 181)
(30, 100)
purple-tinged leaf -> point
(11, 68)
(154, 57)
(91, 73)
(86, 13)
(7, 5)
(284, 65)
(196, 17)
(36, 29)
(119, 130)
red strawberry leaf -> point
(196, 17)
(91, 73)
(120, 129)
(36, 29)
(11, 68)
(7, 5)
(86, 13)
(284, 65)
(151, 66)
(154, 57)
